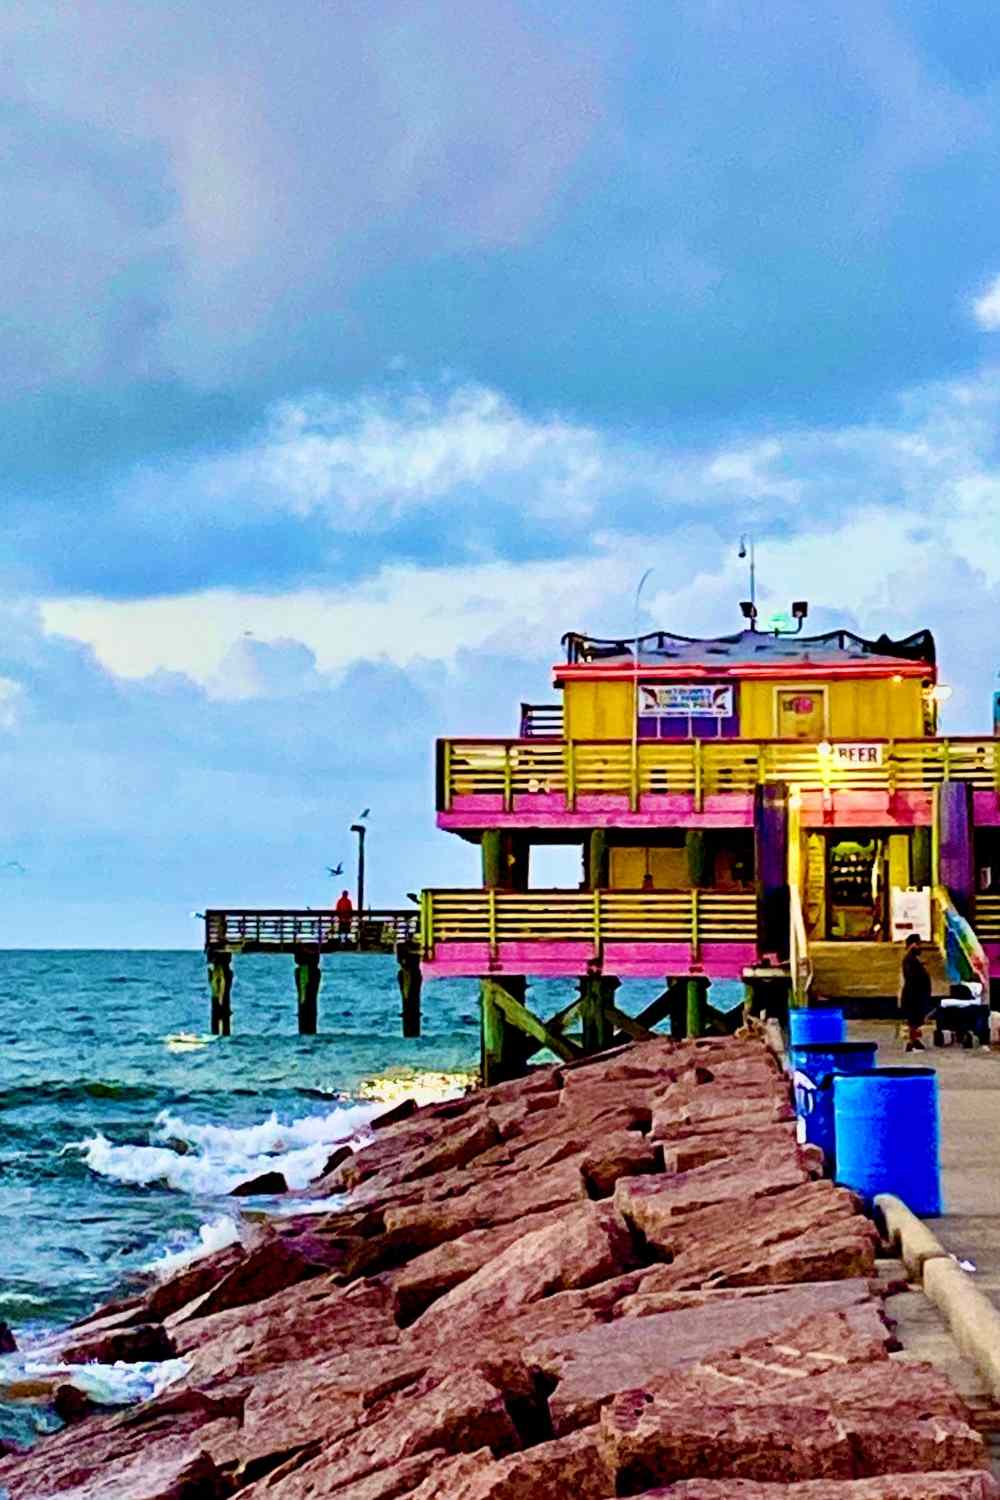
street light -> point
(360, 830)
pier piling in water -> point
(411, 982)
(308, 975)
(220, 984)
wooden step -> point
(866, 970)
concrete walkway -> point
(969, 1091)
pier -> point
(307, 935)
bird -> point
(15, 864)
(364, 814)
(335, 869)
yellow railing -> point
(596, 917)
(986, 918)
(700, 768)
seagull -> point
(364, 814)
(335, 869)
(15, 864)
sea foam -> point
(218, 1158)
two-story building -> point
(757, 802)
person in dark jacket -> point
(914, 993)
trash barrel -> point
(813, 1067)
(815, 1023)
(887, 1135)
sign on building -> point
(857, 755)
(690, 699)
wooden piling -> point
(411, 982)
(697, 1006)
(220, 984)
(502, 1052)
(307, 981)
(597, 994)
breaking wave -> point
(212, 1160)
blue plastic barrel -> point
(815, 1023)
(813, 1067)
(888, 1135)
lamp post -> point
(635, 691)
(360, 830)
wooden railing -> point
(541, 721)
(699, 768)
(282, 931)
(986, 918)
(596, 917)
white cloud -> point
(986, 308)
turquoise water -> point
(124, 1126)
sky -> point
(353, 353)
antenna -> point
(749, 606)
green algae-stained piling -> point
(306, 936)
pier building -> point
(765, 806)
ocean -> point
(124, 1126)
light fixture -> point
(800, 608)
(896, 677)
(748, 610)
(824, 749)
(940, 693)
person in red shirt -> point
(345, 913)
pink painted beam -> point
(565, 960)
(993, 954)
(986, 809)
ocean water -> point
(124, 1126)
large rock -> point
(654, 1204)
(570, 1468)
(837, 1321)
(588, 1245)
(427, 1277)
(139, 1342)
(963, 1485)
(647, 1440)
(265, 1270)
(462, 1412)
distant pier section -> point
(306, 935)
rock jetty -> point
(618, 1277)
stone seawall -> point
(619, 1277)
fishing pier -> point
(307, 935)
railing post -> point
(597, 924)
(699, 771)
(945, 760)
(508, 780)
(761, 763)
(569, 762)
(893, 773)
(427, 923)
(633, 776)
(695, 937)
(446, 775)
(491, 908)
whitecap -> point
(118, 1384)
(215, 1235)
(223, 1157)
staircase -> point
(847, 971)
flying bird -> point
(15, 864)
(365, 814)
(335, 869)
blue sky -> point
(353, 353)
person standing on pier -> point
(914, 992)
(345, 913)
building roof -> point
(749, 653)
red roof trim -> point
(792, 671)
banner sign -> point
(857, 755)
(690, 699)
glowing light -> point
(941, 693)
(824, 749)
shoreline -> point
(562, 1237)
